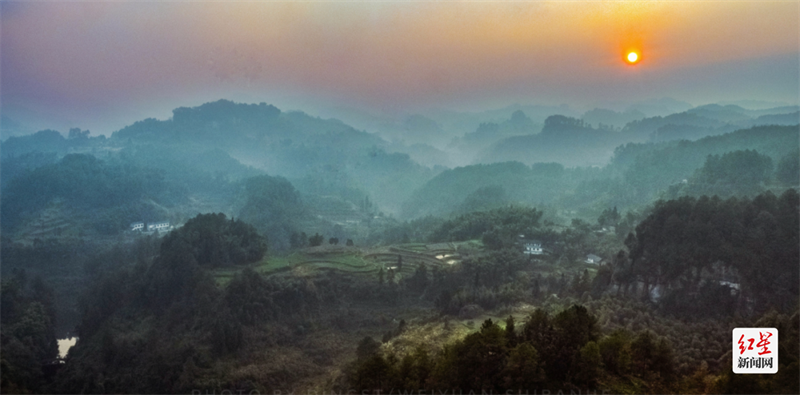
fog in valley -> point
(375, 198)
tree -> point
(523, 368)
(212, 240)
(615, 352)
(316, 240)
(746, 166)
(333, 240)
(587, 368)
(419, 280)
(609, 217)
(788, 171)
(367, 348)
(273, 205)
(349, 242)
(511, 335)
(298, 240)
(77, 134)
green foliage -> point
(487, 186)
(564, 351)
(609, 217)
(651, 355)
(273, 206)
(690, 245)
(216, 241)
(788, 171)
(563, 139)
(41, 141)
(523, 368)
(27, 323)
(499, 226)
(97, 188)
(615, 352)
(367, 348)
(587, 366)
(298, 240)
(316, 240)
(746, 167)
(649, 168)
(483, 199)
(16, 166)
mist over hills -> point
(299, 235)
(332, 158)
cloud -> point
(87, 60)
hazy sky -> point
(102, 65)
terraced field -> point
(353, 261)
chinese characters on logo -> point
(755, 350)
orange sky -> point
(104, 65)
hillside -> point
(289, 144)
(519, 183)
(568, 141)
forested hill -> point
(289, 144)
(81, 189)
(651, 168)
(637, 175)
(573, 142)
(565, 140)
(487, 186)
(236, 125)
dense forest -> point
(613, 251)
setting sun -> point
(632, 57)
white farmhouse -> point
(593, 259)
(531, 247)
(164, 225)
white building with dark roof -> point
(164, 225)
(531, 246)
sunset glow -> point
(633, 57)
(62, 63)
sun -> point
(632, 57)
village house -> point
(164, 225)
(593, 259)
(137, 226)
(530, 246)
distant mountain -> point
(650, 168)
(289, 144)
(424, 154)
(660, 128)
(10, 127)
(80, 189)
(773, 110)
(470, 144)
(736, 114)
(792, 118)
(660, 107)
(564, 140)
(601, 116)
(707, 120)
(463, 122)
(41, 141)
(467, 187)
(728, 114)
(756, 104)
